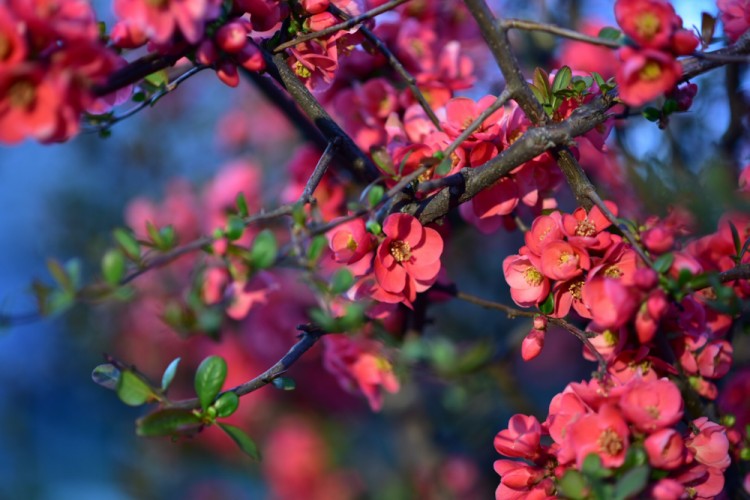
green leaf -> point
(744, 250)
(541, 82)
(158, 78)
(128, 243)
(323, 320)
(209, 378)
(167, 237)
(153, 233)
(539, 94)
(562, 79)
(573, 485)
(284, 383)
(374, 227)
(352, 319)
(670, 106)
(133, 390)
(263, 252)
(106, 375)
(315, 250)
(708, 27)
(113, 266)
(235, 227)
(632, 482)
(548, 306)
(444, 166)
(169, 373)
(60, 274)
(383, 160)
(664, 263)
(167, 423)
(610, 33)
(342, 280)
(241, 203)
(598, 79)
(242, 440)
(736, 239)
(227, 404)
(139, 96)
(375, 195)
(652, 114)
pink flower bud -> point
(227, 73)
(315, 6)
(232, 37)
(532, 344)
(206, 53)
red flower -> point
(735, 14)
(646, 74)
(650, 23)
(408, 260)
(652, 405)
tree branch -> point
(308, 338)
(525, 25)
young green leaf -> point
(60, 275)
(133, 390)
(664, 263)
(610, 33)
(128, 243)
(246, 444)
(632, 482)
(169, 374)
(113, 266)
(541, 82)
(315, 250)
(736, 239)
(342, 280)
(375, 195)
(263, 252)
(562, 79)
(209, 378)
(444, 166)
(241, 203)
(651, 114)
(167, 423)
(573, 485)
(708, 27)
(227, 404)
(235, 227)
(106, 375)
(548, 306)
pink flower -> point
(544, 230)
(462, 111)
(604, 433)
(646, 74)
(408, 259)
(650, 23)
(715, 359)
(160, 19)
(585, 229)
(710, 446)
(360, 365)
(611, 303)
(667, 489)
(352, 244)
(520, 481)
(528, 286)
(562, 261)
(735, 14)
(652, 405)
(521, 438)
(665, 449)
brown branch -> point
(352, 156)
(349, 23)
(408, 78)
(703, 62)
(525, 25)
(513, 313)
(320, 170)
(136, 71)
(308, 338)
(740, 272)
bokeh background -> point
(63, 437)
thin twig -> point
(136, 71)
(171, 86)
(349, 23)
(408, 78)
(309, 337)
(513, 313)
(525, 25)
(320, 170)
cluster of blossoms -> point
(629, 420)
(650, 69)
(50, 58)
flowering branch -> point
(347, 24)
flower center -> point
(400, 250)
(647, 25)
(651, 71)
(653, 411)
(21, 94)
(610, 337)
(585, 228)
(575, 289)
(157, 4)
(532, 276)
(566, 257)
(299, 68)
(351, 244)
(613, 272)
(610, 442)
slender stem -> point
(525, 25)
(408, 78)
(309, 337)
(320, 170)
(349, 23)
(136, 71)
(513, 313)
(171, 86)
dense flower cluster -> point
(650, 69)
(50, 58)
(613, 420)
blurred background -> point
(63, 437)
